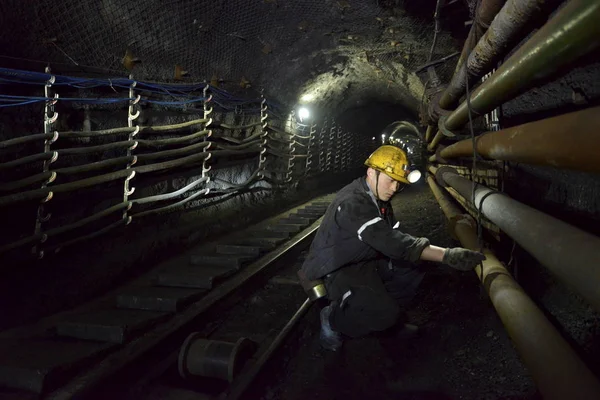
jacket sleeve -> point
(360, 217)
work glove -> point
(462, 259)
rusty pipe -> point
(428, 133)
(486, 11)
(570, 34)
(570, 253)
(555, 368)
(510, 25)
(565, 141)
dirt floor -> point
(463, 351)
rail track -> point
(126, 339)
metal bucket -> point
(212, 358)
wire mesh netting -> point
(222, 41)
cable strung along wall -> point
(73, 182)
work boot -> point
(330, 339)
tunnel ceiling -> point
(335, 53)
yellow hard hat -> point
(392, 161)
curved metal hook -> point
(134, 145)
(129, 192)
(210, 121)
(54, 157)
(263, 118)
(135, 132)
(54, 101)
(133, 84)
(48, 197)
(134, 116)
(133, 161)
(53, 139)
(51, 81)
(128, 220)
(137, 100)
(43, 238)
(52, 178)
(208, 111)
(210, 96)
(52, 119)
(45, 218)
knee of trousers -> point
(365, 313)
(384, 315)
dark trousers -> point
(370, 297)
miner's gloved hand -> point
(462, 259)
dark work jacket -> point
(354, 231)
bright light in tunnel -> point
(303, 113)
(307, 98)
(414, 176)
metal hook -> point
(41, 254)
(51, 81)
(53, 158)
(128, 191)
(134, 116)
(52, 178)
(53, 101)
(134, 145)
(135, 132)
(128, 220)
(53, 139)
(48, 197)
(208, 111)
(133, 161)
(210, 121)
(43, 238)
(210, 96)
(133, 84)
(206, 148)
(137, 100)
(44, 218)
(262, 119)
(51, 120)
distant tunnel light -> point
(414, 176)
(303, 113)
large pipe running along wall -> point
(568, 252)
(555, 368)
(566, 141)
(570, 34)
(503, 33)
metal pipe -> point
(484, 48)
(428, 133)
(565, 141)
(568, 252)
(555, 368)
(570, 34)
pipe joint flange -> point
(439, 175)
(442, 127)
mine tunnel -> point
(166, 166)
